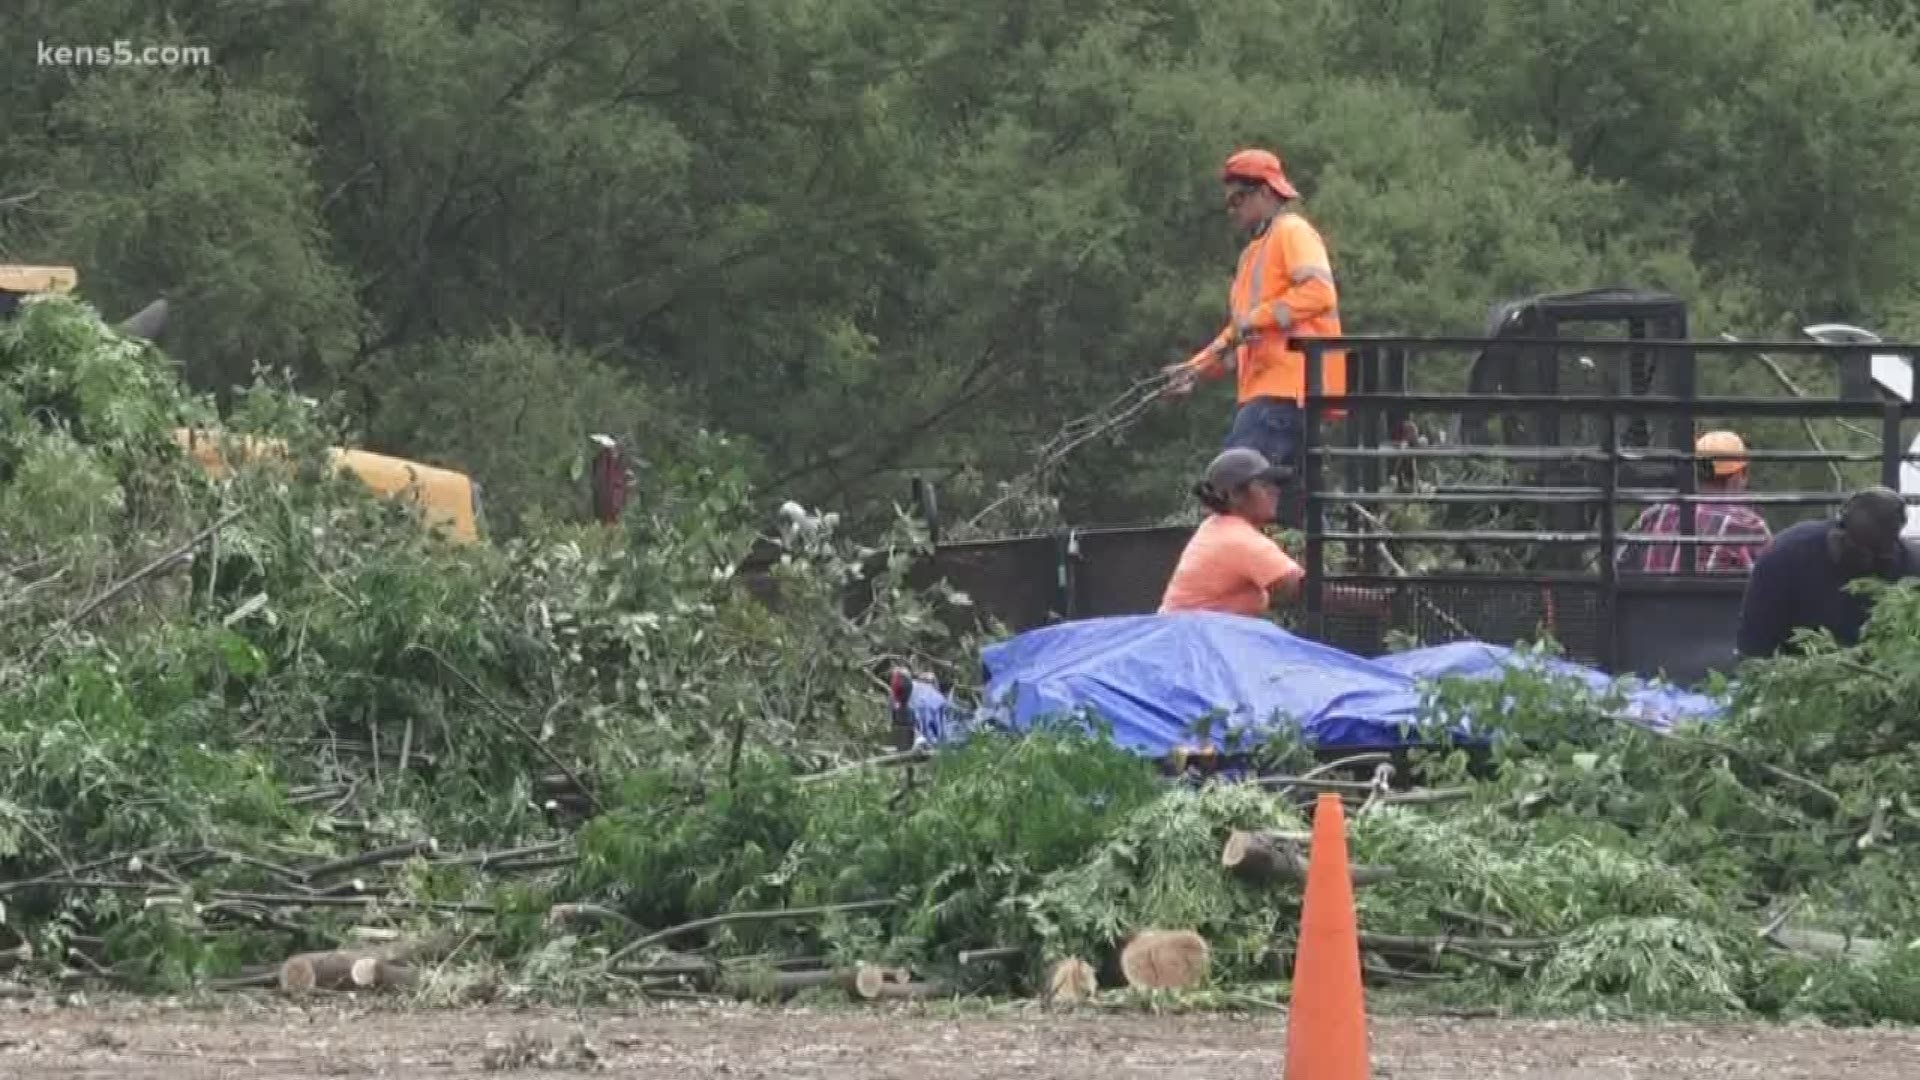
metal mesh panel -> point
(1010, 580)
(1125, 572)
(1680, 632)
(1498, 612)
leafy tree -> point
(872, 238)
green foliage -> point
(168, 712)
(518, 412)
(980, 829)
(870, 239)
(1160, 868)
(802, 250)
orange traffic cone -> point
(1327, 1025)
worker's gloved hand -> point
(1183, 375)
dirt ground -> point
(259, 1039)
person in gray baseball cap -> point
(1801, 580)
(1230, 565)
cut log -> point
(1072, 980)
(907, 991)
(779, 985)
(1262, 858)
(1825, 943)
(1165, 960)
(317, 971)
(375, 973)
(307, 972)
(870, 981)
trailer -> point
(1495, 508)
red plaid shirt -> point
(1709, 520)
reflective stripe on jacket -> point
(1284, 286)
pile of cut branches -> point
(262, 729)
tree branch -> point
(739, 916)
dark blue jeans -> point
(1273, 426)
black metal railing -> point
(1350, 474)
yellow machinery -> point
(31, 280)
(446, 499)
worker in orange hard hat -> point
(1283, 288)
(1720, 459)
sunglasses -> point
(1237, 197)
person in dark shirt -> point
(1800, 580)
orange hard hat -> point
(1261, 167)
(1728, 450)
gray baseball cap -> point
(1240, 466)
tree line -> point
(870, 239)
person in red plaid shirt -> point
(1721, 457)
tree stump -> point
(1071, 981)
(1165, 960)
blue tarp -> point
(1152, 676)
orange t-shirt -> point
(1228, 566)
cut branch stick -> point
(1813, 436)
(485, 859)
(251, 981)
(1825, 943)
(1165, 960)
(376, 857)
(1397, 943)
(1265, 858)
(458, 907)
(427, 948)
(1072, 980)
(1383, 973)
(910, 991)
(740, 916)
(1400, 570)
(350, 887)
(525, 866)
(904, 757)
(1780, 920)
(317, 795)
(674, 969)
(580, 915)
(1354, 762)
(173, 555)
(506, 719)
(1315, 784)
(251, 913)
(1425, 796)
(1767, 767)
(1481, 921)
(990, 954)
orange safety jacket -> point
(1284, 287)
